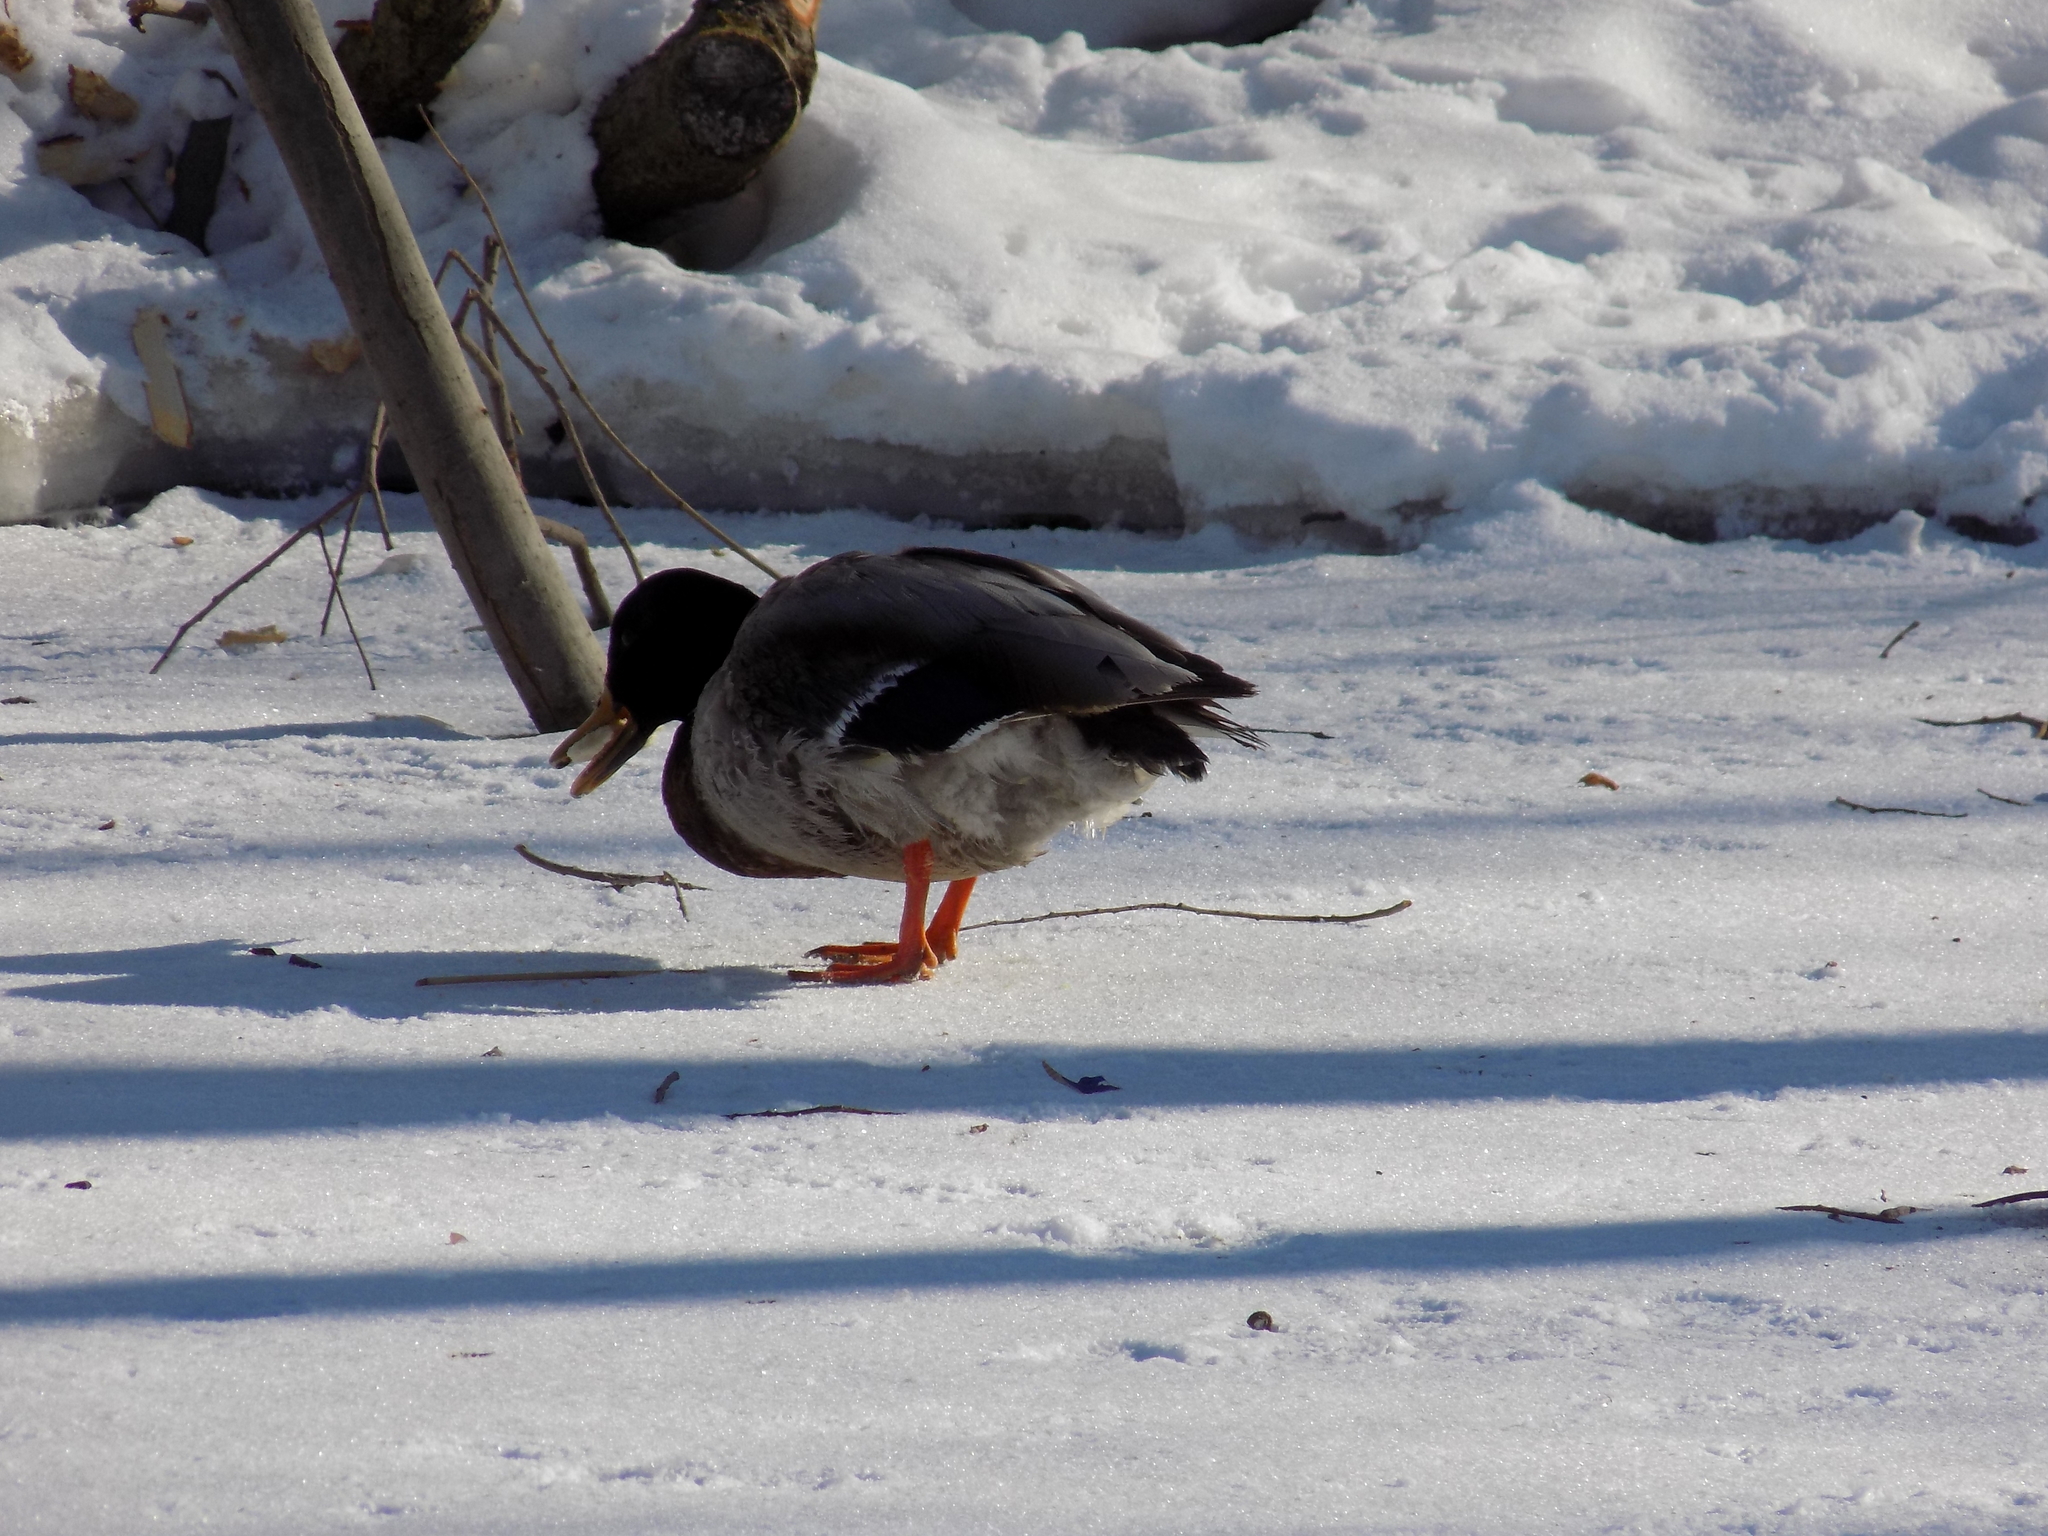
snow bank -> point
(1714, 267)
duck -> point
(933, 715)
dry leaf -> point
(337, 356)
(1599, 780)
(78, 161)
(457, 1237)
(169, 417)
(181, 540)
(269, 634)
(99, 99)
(14, 53)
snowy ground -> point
(1502, 1168)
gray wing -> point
(912, 652)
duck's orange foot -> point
(868, 963)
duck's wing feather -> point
(915, 652)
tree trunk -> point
(396, 62)
(694, 122)
(526, 606)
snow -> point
(1502, 1167)
(1757, 265)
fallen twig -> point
(1891, 1215)
(2004, 800)
(815, 1109)
(661, 1093)
(2038, 727)
(1095, 1084)
(467, 981)
(1898, 810)
(1273, 730)
(1181, 906)
(1885, 654)
(254, 571)
(576, 388)
(617, 882)
(2032, 1194)
(334, 590)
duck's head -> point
(670, 634)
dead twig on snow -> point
(576, 388)
(2038, 727)
(2003, 800)
(815, 1109)
(1181, 906)
(617, 882)
(1886, 653)
(2032, 1194)
(1898, 810)
(495, 976)
(1891, 1215)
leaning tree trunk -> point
(695, 121)
(395, 62)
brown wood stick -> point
(1891, 1215)
(493, 976)
(2032, 1194)
(576, 388)
(1885, 654)
(1181, 906)
(1898, 810)
(815, 1109)
(2004, 800)
(2038, 727)
(617, 882)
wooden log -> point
(395, 63)
(519, 593)
(695, 121)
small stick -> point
(1891, 1215)
(2032, 1194)
(377, 491)
(576, 389)
(2039, 727)
(250, 575)
(616, 881)
(464, 981)
(334, 590)
(1898, 810)
(661, 1093)
(2002, 800)
(815, 1109)
(1885, 654)
(1094, 1084)
(1181, 906)
(1270, 730)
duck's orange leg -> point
(908, 959)
(943, 937)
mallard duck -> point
(932, 715)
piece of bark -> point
(696, 120)
(395, 63)
(195, 188)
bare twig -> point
(464, 981)
(661, 1093)
(2032, 1194)
(376, 452)
(578, 546)
(1898, 810)
(2003, 800)
(252, 573)
(2038, 727)
(616, 881)
(1891, 1215)
(1885, 654)
(1181, 906)
(815, 1109)
(334, 592)
(576, 388)
(195, 11)
(1270, 730)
